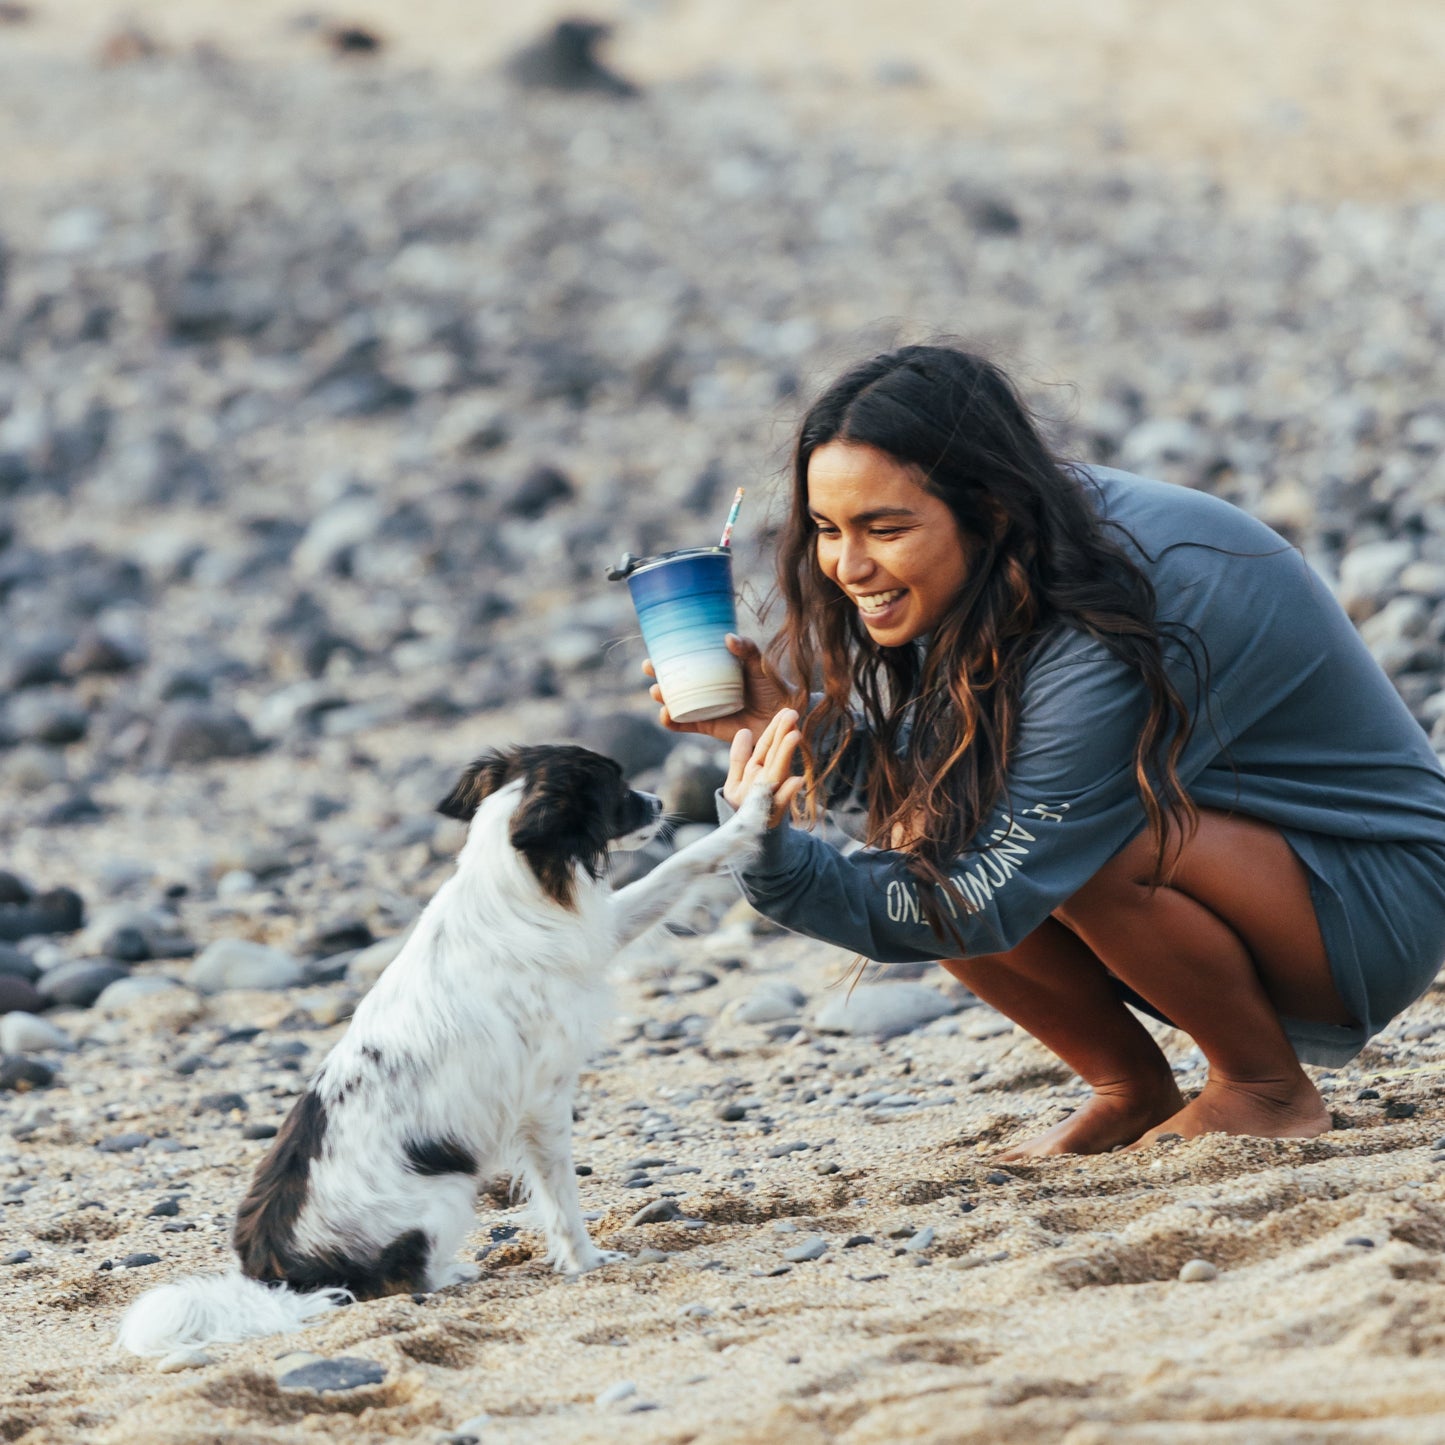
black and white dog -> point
(459, 1065)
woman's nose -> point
(854, 564)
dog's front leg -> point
(552, 1182)
(649, 900)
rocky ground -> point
(325, 394)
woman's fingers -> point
(648, 668)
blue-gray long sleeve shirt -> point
(1304, 730)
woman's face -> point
(893, 549)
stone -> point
(658, 1212)
(179, 1360)
(24, 1033)
(882, 1008)
(52, 718)
(16, 1256)
(123, 1143)
(139, 1261)
(15, 964)
(233, 963)
(565, 58)
(920, 1241)
(1197, 1271)
(57, 910)
(79, 982)
(814, 1247)
(20, 1075)
(345, 1372)
(120, 996)
(691, 777)
(18, 998)
(771, 1002)
(635, 743)
(1370, 569)
(615, 1394)
(199, 732)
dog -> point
(461, 1063)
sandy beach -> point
(294, 349)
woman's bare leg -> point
(1054, 987)
(1223, 949)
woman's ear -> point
(479, 781)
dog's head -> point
(573, 805)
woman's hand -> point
(770, 757)
(763, 694)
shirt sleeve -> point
(1071, 804)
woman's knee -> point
(1125, 882)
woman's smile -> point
(892, 548)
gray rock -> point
(179, 1360)
(615, 1394)
(345, 1372)
(882, 1008)
(691, 777)
(770, 1002)
(123, 1143)
(814, 1247)
(920, 1241)
(120, 996)
(52, 718)
(658, 1212)
(1198, 1271)
(231, 963)
(79, 982)
(198, 732)
(636, 743)
(1369, 570)
(21, 1074)
(24, 1033)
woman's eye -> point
(886, 532)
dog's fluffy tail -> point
(218, 1309)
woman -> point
(1117, 743)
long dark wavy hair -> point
(940, 721)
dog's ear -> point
(562, 821)
(480, 780)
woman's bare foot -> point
(1107, 1120)
(1288, 1108)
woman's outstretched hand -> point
(763, 694)
(771, 757)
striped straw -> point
(727, 536)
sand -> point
(1049, 1305)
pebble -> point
(345, 1372)
(922, 1240)
(183, 1360)
(882, 1008)
(20, 1074)
(16, 1256)
(139, 1261)
(123, 1143)
(772, 1002)
(24, 1033)
(119, 997)
(232, 963)
(814, 1247)
(469, 1432)
(78, 983)
(658, 1212)
(614, 1394)
(1197, 1271)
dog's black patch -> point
(371, 1053)
(439, 1156)
(266, 1221)
(400, 1268)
